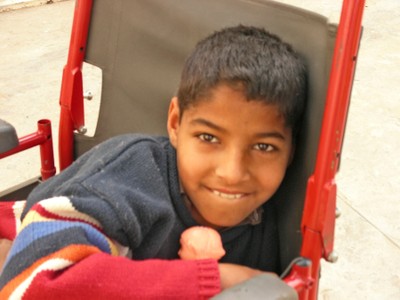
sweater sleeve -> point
(61, 253)
(77, 225)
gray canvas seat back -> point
(141, 47)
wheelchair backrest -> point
(141, 46)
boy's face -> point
(232, 155)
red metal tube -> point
(26, 142)
(300, 278)
(319, 218)
(71, 98)
(46, 150)
(338, 95)
(42, 138)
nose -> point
(232, 167)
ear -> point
(173, 121)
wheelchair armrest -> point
(8, 136)
(265, 286)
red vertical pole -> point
(46, 150)
(71, 98)
(319, 213)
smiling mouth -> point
(228, 196)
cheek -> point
(271, 177)
(191, 168)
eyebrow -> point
(201, 121)
(271, 134)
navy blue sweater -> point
(130, 185)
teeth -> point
(227, 196)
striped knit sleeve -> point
(53, 236)
(61, 253)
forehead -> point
(229, 108)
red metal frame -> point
(71, 98)
(43, 138)
(320, 203)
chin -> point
(225, 224)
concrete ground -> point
(33, 51)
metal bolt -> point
(82, 130)
(333, 257)
(88, 95)
(338, 213)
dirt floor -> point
(33, 51)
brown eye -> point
(208, 138)
(264, 147)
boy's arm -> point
(57, 258)
(62, 253)
(67, 246)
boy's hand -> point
(232, 274)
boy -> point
(109, 225)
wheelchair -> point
(140, 47)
